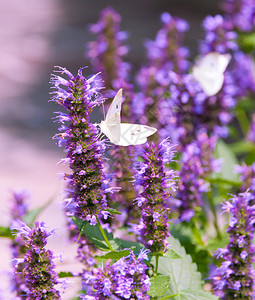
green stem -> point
(156, 269)
(213, 210)
(104, 235)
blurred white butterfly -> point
(209, 71)
(123, 134)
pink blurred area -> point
(28, 156)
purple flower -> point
(197, 162)
(240, 14)
(247, 176)
(235, 276)
(156, 180)
(107, 51)
(165, 53)
(109, 61)
(218, 36)
(38, 272)
(19, 209)
(125, 279)
(87, 183)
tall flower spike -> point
(197, 162)
(107, 51)
(39, 275)
(164, 54)
(125, 279)
(235, 276)
(106, 54)
(87, 183)
(18, 210)
(157, 182)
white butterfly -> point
(209, 71)
(123, 134)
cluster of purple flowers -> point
(124, 279)
(18, 210)
(87, 185)
(240, 14)
(164, 54)
(38, 272)
(196, 164)
(107, 51)
(235, 276)
(157, 182)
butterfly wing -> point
(134, 134)
(209, 70)
(113, 113)
(111, 125)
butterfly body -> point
(123, 134)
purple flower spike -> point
(87, 183)
(107, 51)
(125, 279)
(19, 209)
(235, 277)
(156, 181)
(240, 13)
(38, 272)
(166, 53)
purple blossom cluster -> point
(87, 185)
(247, 176)
(107, 51)
(124, 279)
(219, 36)
(197, 163)
(18, 210)
(240, 14)
(235, 276)
(165, 53)
(38, 272)
(106, 54)
(156, 181)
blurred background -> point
(35, 36)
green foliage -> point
(159, 285)
(185, 280)
(229, 161)
(5, 232)
(32, 215)
(65, 274)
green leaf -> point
(185, 281)
(123, 244)
(93, 233)
(116, 254)
(158, 285)
(65, 274)
(5, 232)
(31, 215)
(224, 152)
(242, 147)
(172, 254)
(224, 181)
(113, 211)
(196, 295)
